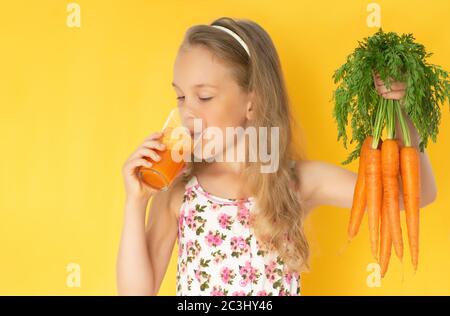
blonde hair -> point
(279, 223)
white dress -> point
(218, 252)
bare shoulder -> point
(176, 195)
(323, 183)
(170, 199)
(308, 172)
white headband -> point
(236, 37)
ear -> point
(250, 113)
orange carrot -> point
(385, 239)
(359, 194)
(390, 169)
(374, 191)
(410, 173)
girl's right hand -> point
(135, 188)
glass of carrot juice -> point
(177, 139)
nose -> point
(188, 119)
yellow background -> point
(75, 102)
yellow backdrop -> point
(77, 100)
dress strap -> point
(192, 182)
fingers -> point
(395, 92)
(142, 155)
(154, 144)
(398, 85)
(395, 86)
(131, 165)
(147, 145)
(377, 80)
(393, 95)
(153, 136)
(146, 152)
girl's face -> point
(207, 90)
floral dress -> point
(218, 254)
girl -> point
(239, 231)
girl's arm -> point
(327, 184)
(145, 251)
(135, 275)
(162, 230)
(324, 183)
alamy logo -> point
(73, 278)
(74, 16)
(208, 144)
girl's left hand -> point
(396, 92)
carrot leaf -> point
(395, 58)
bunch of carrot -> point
(385, 164)
(378, 189)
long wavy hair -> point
(278, 223)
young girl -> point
(240, 231)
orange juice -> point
(161, 174)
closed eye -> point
(206, 99)
(180, 98)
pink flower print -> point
(243, 215)
(218, 259)
(238, 293)
(181, 223)
(190, 220)
(183, 265)
(227, 275)
(282, 292)
(239, 246)
(248, 274)
(225, 221)
(202, 277)
(218, 256)
(189, 245)
(189, 194)
(234, 243)
(262, 293)
(270, 271)
(214, 239)
(262, 251)
(242, 244)
(194, 221)
(197, 248)
(288, 277)
(218, 291)
(192, 250)
(215, 206)
(217, 240)
(198, 275)
(190, 280)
